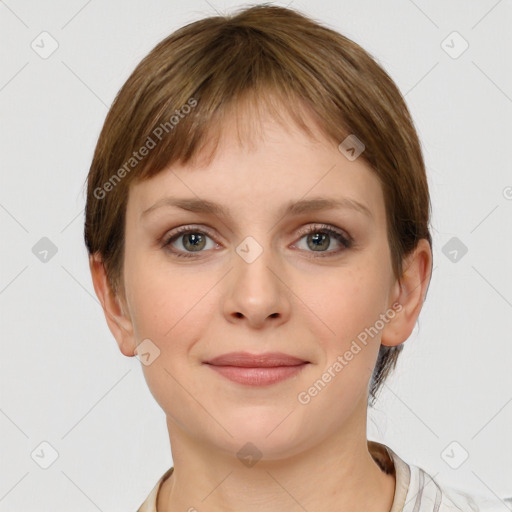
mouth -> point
(257, 369)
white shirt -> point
(415, 490)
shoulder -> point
(429, 495)
(150, 502)
(420, 492)
(453, 499)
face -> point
(257, 277)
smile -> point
(258, 376)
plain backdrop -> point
(63, 380)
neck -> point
(337, 474)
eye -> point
(187, 240)
(191, 240)
(320, 236)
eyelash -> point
(345, 240)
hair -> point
(176, 99)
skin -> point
(290, 299)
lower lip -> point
(258, 376)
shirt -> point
(415, 489)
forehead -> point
(263, 161)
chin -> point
(263, 435)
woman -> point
(257, 221)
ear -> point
(115, 310)
(408, 295)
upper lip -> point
(247, 360)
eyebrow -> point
(292, 208)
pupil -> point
(194, 239)
(319, 237)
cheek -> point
(161, 301)
(345, 302)
(350, 305)
(165, 314)
(165, 309)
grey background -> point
(63, 379)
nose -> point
(256, 291)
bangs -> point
(195, 139)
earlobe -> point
(409, 292)
(118, 320)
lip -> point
(257, 369)
(247, 360)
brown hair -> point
(176, 98)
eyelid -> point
(174, 233)
(318, 226)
